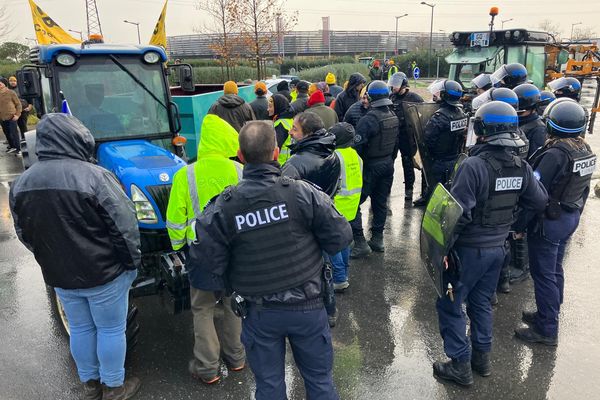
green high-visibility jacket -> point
(347, 199)
(197, 183)
(284, 152)
(393, 69)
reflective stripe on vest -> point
(284, 152)
(193, 189)
(348, 198)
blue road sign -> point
(416, 73)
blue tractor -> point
(121, 93)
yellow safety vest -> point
(284, 152)
(393, 69)
(293, 95)
(347, 199)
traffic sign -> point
(416, 73)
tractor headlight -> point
(65, 59)
(143, 208)
(151, 57)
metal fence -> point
(314, 43)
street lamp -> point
(397, 18)
(80, 33)
(505, 20)
(572, 26)
(137, 24)
(432, 6)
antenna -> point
(93, 19)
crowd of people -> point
(269, 217)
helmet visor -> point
(481, 81)
(436, 87)
(397, 80)
(482, 99)
(558, 84)
(499, 75)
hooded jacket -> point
(349, 96)
(212, 172)
(314, 160)
(260, 107)
(281, 107)
(233, 109)
(72, 214)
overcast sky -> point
(183, 17)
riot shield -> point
(437, 231)
(416, 116)
(461, 157)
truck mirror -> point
(186, 78)
(563, 57)
(28, 82)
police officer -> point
(488, 185)
(406, 143)
(376, 135)
(264, 239)
(546, 97)
(193, 186)
(564, 166)
(529, 121)
(509, 76)
(445, 133)
(566, 87)
(481, 83)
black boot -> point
(420, 202)
(126, 391)
(520, 260)
(494, 299)
(360, 249)
(504, 285)
(480, 363)
(408, 194)
(459, 372)
(530, 335)
(92, 390)
(376, 242)
(529, 317)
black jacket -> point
(72, 214)
(313, 159)
(535, 130)
(355, 113)
(233, 109)
(300, 104)
(349, 96)
(260, 107)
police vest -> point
(384, 143)
(570, 188)
(452, 138)
(347, 199)
(505, 187)
(273, 248)
(284, 152)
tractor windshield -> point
(110, 102)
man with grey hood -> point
(82, 230)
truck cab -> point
(484, 52)
(121, 94)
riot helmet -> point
(529, 96)
(509, 75)
(546, 97)
(504, 95)
(482, 82)
(447, 91)
(379, 94)
(565, 118)
(398, 80)
(497, 122)
(566, 87)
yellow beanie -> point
(230, 87)
(330, 79)
(312, 88)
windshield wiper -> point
(140, 83)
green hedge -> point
(422, 58)
(9, 69)
(216, 75)
(341, 71)
(302, 64)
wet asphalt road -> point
(385, 342)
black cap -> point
(302, 86)
(344, 134)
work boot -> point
(518, 275)
(529, 317)
(340, 287)
(376, 242)
(360, 249)
(494, 299)
(459, 372)
(504, 285)
(194, 369)
(92, 390)
(408, 194)
(126, 391)
(530, 335)
(420, 202)
(480, 363)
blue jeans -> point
(546, 253)
(264, 333)
(474, 285)
(340, 262)
(97, 319)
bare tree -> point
(6, 23)
(584, 33)
(256, 33)
(548, 26)
(222, 25)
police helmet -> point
(509, 75)
(398, 80)
(482, 81)
(565, 118)
(379, 94)
(566, 87)
(448, 91)
(504, 95)
(529, 96)
(498, 123)
(546, 97)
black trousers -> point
(22, 123)
(12, 134)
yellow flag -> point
(46, 30)
(159, 36)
